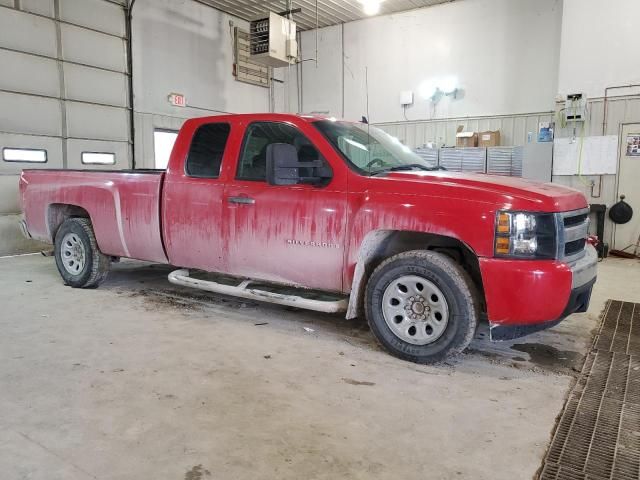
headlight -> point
(525, 235)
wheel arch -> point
(57, 213)
(382, 244)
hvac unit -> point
(272, 41)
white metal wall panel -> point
(93, 48)
(27, 33)
(76, 147)
(41, 7)
(10, 200)
(95, 85)
(29, 114)
(97, 14)
(97, 122)
(63, 89)
(52, 145)
(37, 75)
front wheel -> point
(421, 306)
(79, 261)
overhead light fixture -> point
(449, 85)
(435, 88)
(428, 90)
(371, 7)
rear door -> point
(290, 234)
(192, 201)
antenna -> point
(366, 91)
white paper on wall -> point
(599, 155)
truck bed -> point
(124, 207)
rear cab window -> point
(207, 150)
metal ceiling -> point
(330, 12)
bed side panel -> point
(124, 208)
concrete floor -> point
(139, 379)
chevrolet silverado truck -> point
(334, 216)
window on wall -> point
(207, 150)
(98, 158)
(163, 141)
(28, 155)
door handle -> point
(242, 200)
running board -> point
(243, 290)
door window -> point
(207, 150)
(259, 135)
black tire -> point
(96, 264)
(457, 288)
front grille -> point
(574, 247)
(575, 220)
(573, 229)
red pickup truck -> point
(333, 216)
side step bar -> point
(243, 290)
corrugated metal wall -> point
(515, 129)
(63, 89)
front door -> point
(288, 234)
(627, 234)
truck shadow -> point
(559, 350)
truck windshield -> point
(369, 149)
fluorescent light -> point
(24, 155)
(371, 7)
(97, 158)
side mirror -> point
(285, 168)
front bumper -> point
(526, 296)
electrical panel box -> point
(272, 41)
(536, 160)
(406, 98)
(575, 108)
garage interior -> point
(145, 378)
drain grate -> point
(598, 436)
(620, 329)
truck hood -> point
(506, 192)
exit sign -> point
(177, 100)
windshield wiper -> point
(411, 166)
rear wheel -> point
(420, 306)
(79, 261)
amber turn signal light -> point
(502, 245)
(504, 223)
